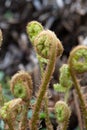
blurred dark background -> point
(67, 18)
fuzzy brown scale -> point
(47, 44)
(21, 86)
(33, 29)
(10, 111)
(62, 114)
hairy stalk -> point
(48, 73)
(62, 114)
(43, 87)
(10, 111)
(33, 29)
(78, 64)
(10, 125)
(42, 44)
(42, 62)
(48, 122)
(21, 86)
(65, 124)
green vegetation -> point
(21, 111)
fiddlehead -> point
(65, 77)
(65, 81)
(43, 43)
(78, 59)
(33, 29)
(10, 110)
(21, 86)
(62, 114)
(47, 119)
(54, 49)
(78, 64)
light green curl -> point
(20, 90)
(10, 109)
(78, 59)
(33, 29)
(42, 63)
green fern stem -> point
(42, 61)
(21, 86)
(64, 125)
(82, 102)
(44, 86)
(24, 120)
(10, 111)
(78, 64)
